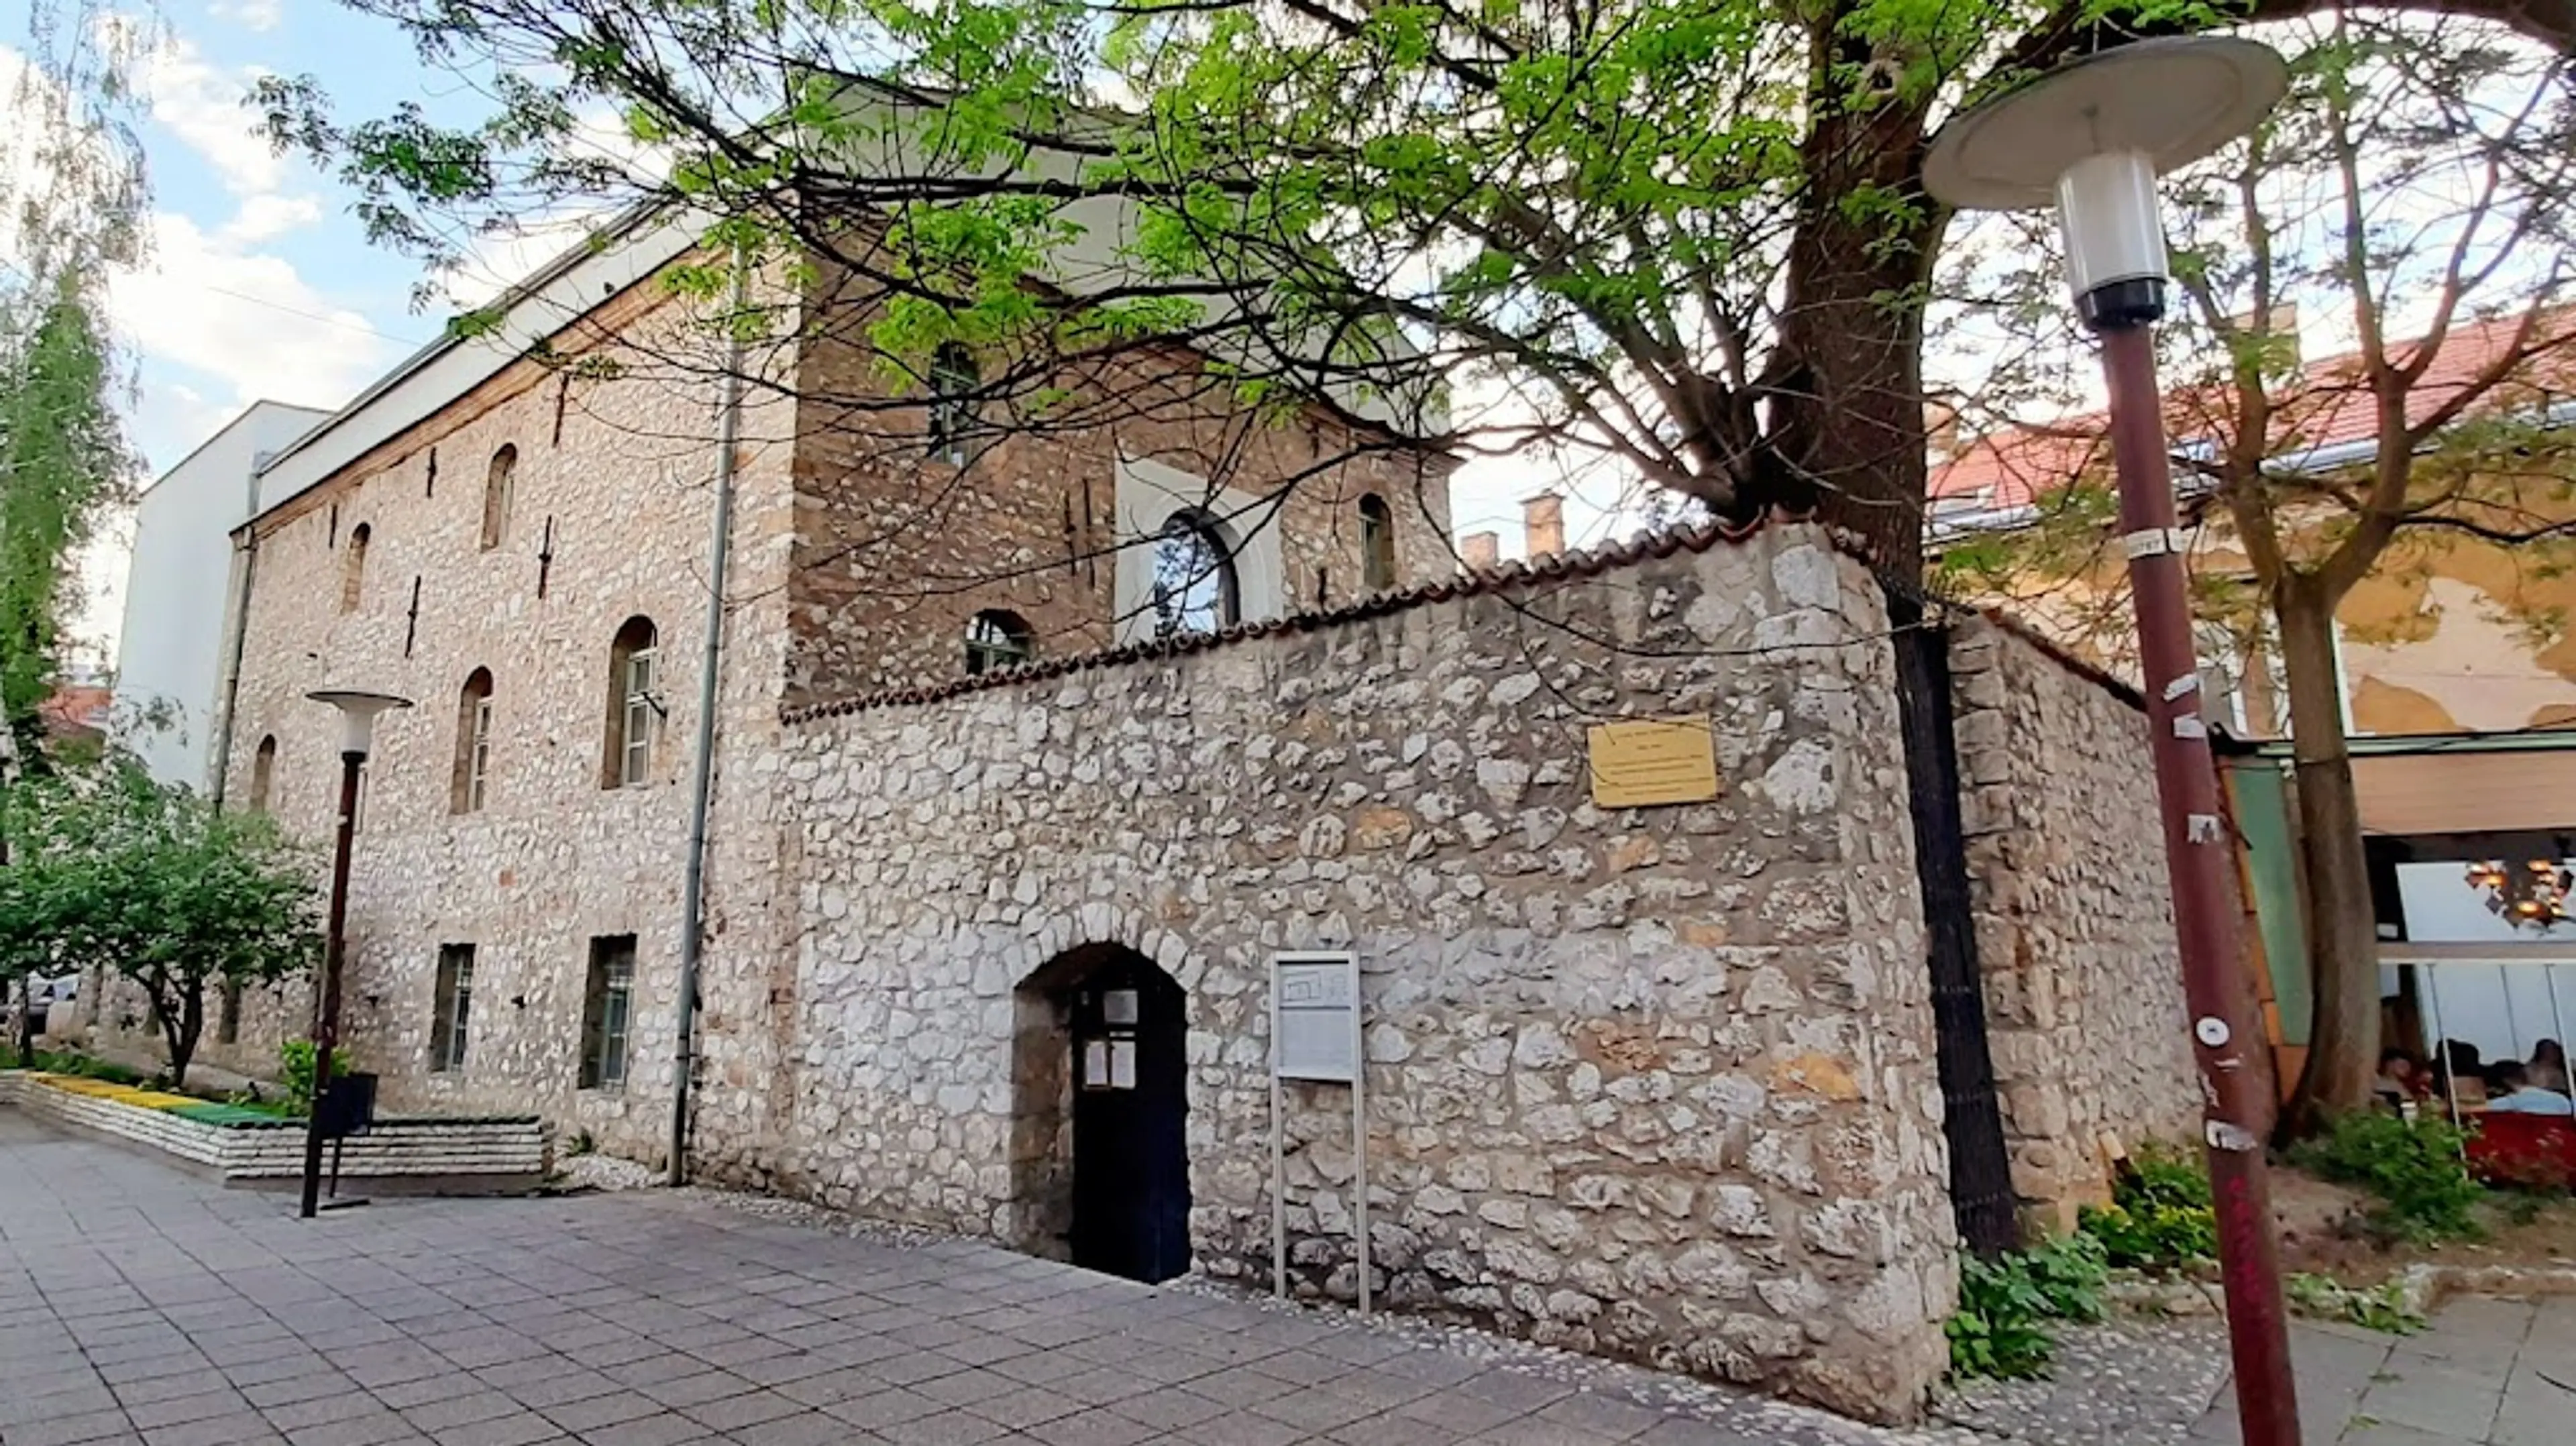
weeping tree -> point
(71, 206)
(1682, 239)
(2407, 199)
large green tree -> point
(1682, 236)
(2409, 196)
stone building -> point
(997, 865)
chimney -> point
(1480, 550)
(2281, 330)
(1543, 524)
(1941, 428)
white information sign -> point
(1315, 1035)
(1315, 1016)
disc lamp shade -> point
(358, 710)
(2092, 137)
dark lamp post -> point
(358, 712)
(2091, 139)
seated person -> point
(2515, 1094)
(2463, 1075)
(2401, 1077)
(2549, 1065)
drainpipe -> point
(238, 605)
(693, 879)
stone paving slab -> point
(143, 1307)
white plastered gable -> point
(1149, 494)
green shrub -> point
(2159, 1218)
(295, 1072)
(2381, 1307)
(2415, 1170)
(78, 1065)
(2005, 1304)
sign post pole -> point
(1315, 1035)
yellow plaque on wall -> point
(1638, 763)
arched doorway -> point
(1102, 1145)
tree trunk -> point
(2343, 956)
(183, 1020)
(1847, 394)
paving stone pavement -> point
(140, 1306)
(2496, 1372)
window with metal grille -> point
(1194, 588)
(453, 1001)
(634, 706)
(997, 639)
(497, 487)
(473, 743)
(606, 1002)
(953, 380)
(1377, 544)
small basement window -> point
(998, 639)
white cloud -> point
(246, 319)
(264, 218)
(203, 107)
(251, 14)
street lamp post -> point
(358, 712)
(2092, 138)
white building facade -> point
(175, 649)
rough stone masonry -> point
(1655, 1082)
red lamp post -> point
(2092, 138)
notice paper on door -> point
(1095, 1064)
(1122, 1064)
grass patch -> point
(2416, 1172)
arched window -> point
(496, 496)
(263, 773)
(473, 743)
(997, 639)
(634, 707)
(953, 380)
(1377, 544)
(1194, 584)
(353, 567)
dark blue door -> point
(1131, 1167)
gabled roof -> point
(2329, 411)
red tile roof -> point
(76, 710)
(2330, 406)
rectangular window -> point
(454, 1005)
(635, 759)
(478, 755)
(606, 1002)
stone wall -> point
(1655, 1083)
(896, 549)
(2075, 936)
(609, 520)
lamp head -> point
(2093, 136)
(358, 710)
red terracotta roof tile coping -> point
(1571, 566)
